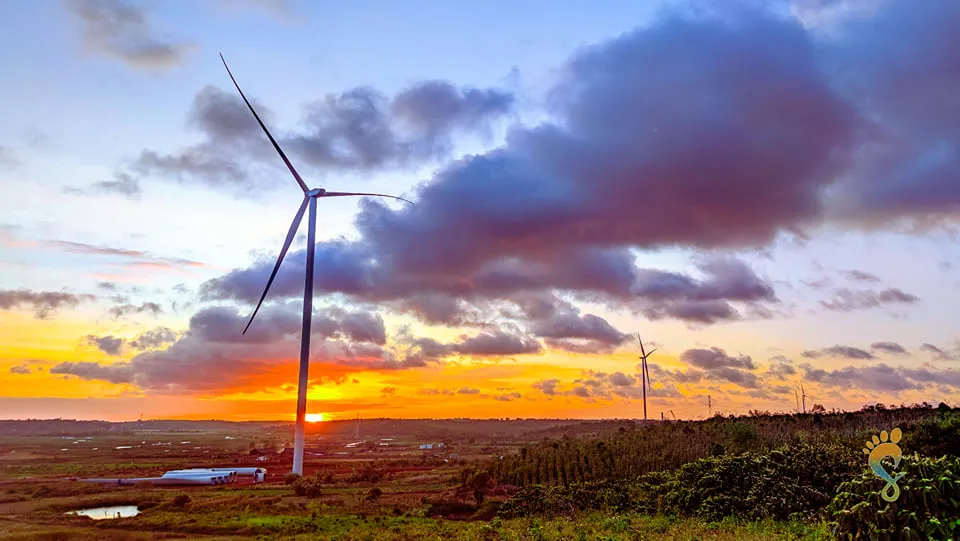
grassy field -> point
(386, 487)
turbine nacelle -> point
(316, 192)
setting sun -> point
(314, 417)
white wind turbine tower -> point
(644, 375)
(310, 197)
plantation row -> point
(667, 446)
(817, 476)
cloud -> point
(359, 129)
(938, 353)
(845, 352)
(881, 377)
(213, 357)
(123, 184)
(468, 390)
(108, 344)
(137, 256)
(714, 358)
(20, 370)
(846, 300)
(8, 158)
(121, 30)
(279, 8)
(889, 347)
(43, 303)
(154, 338)
(113, 373)
(617, 384)
(414, 127)
(495, 344)
(125, 309)
(861, 276)
(547, 386)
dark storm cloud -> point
(844, 352)
(43, 303)
(846, 300)
(889, 347)
(122, 30)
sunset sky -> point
(766, 191)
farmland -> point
(558, 479)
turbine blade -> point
(361, 194)
(649, 353)
(303, 185)
(283, 252)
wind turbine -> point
(310, 197)
(644, 374)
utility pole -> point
(709, 407)
(644, 374)
(357, 434)
(661, 417)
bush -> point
(793, 480)
(291, 478)
(180, 500)
(928, 506)
(307, 486)
(374, 494)
(537, 500)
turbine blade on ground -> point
(303, 185)
(361, 194)
(283, 251)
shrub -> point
(307, 486)
(374, 494)
(180, 500)
(928, 506)
(291, 478)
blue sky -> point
(81, 108)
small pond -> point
(99, 513)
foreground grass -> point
(593, 526)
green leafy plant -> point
(928, 506)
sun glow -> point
(314, 418)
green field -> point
(756, 477)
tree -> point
(818, 408)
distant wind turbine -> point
(310, 197)
(644, 374)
